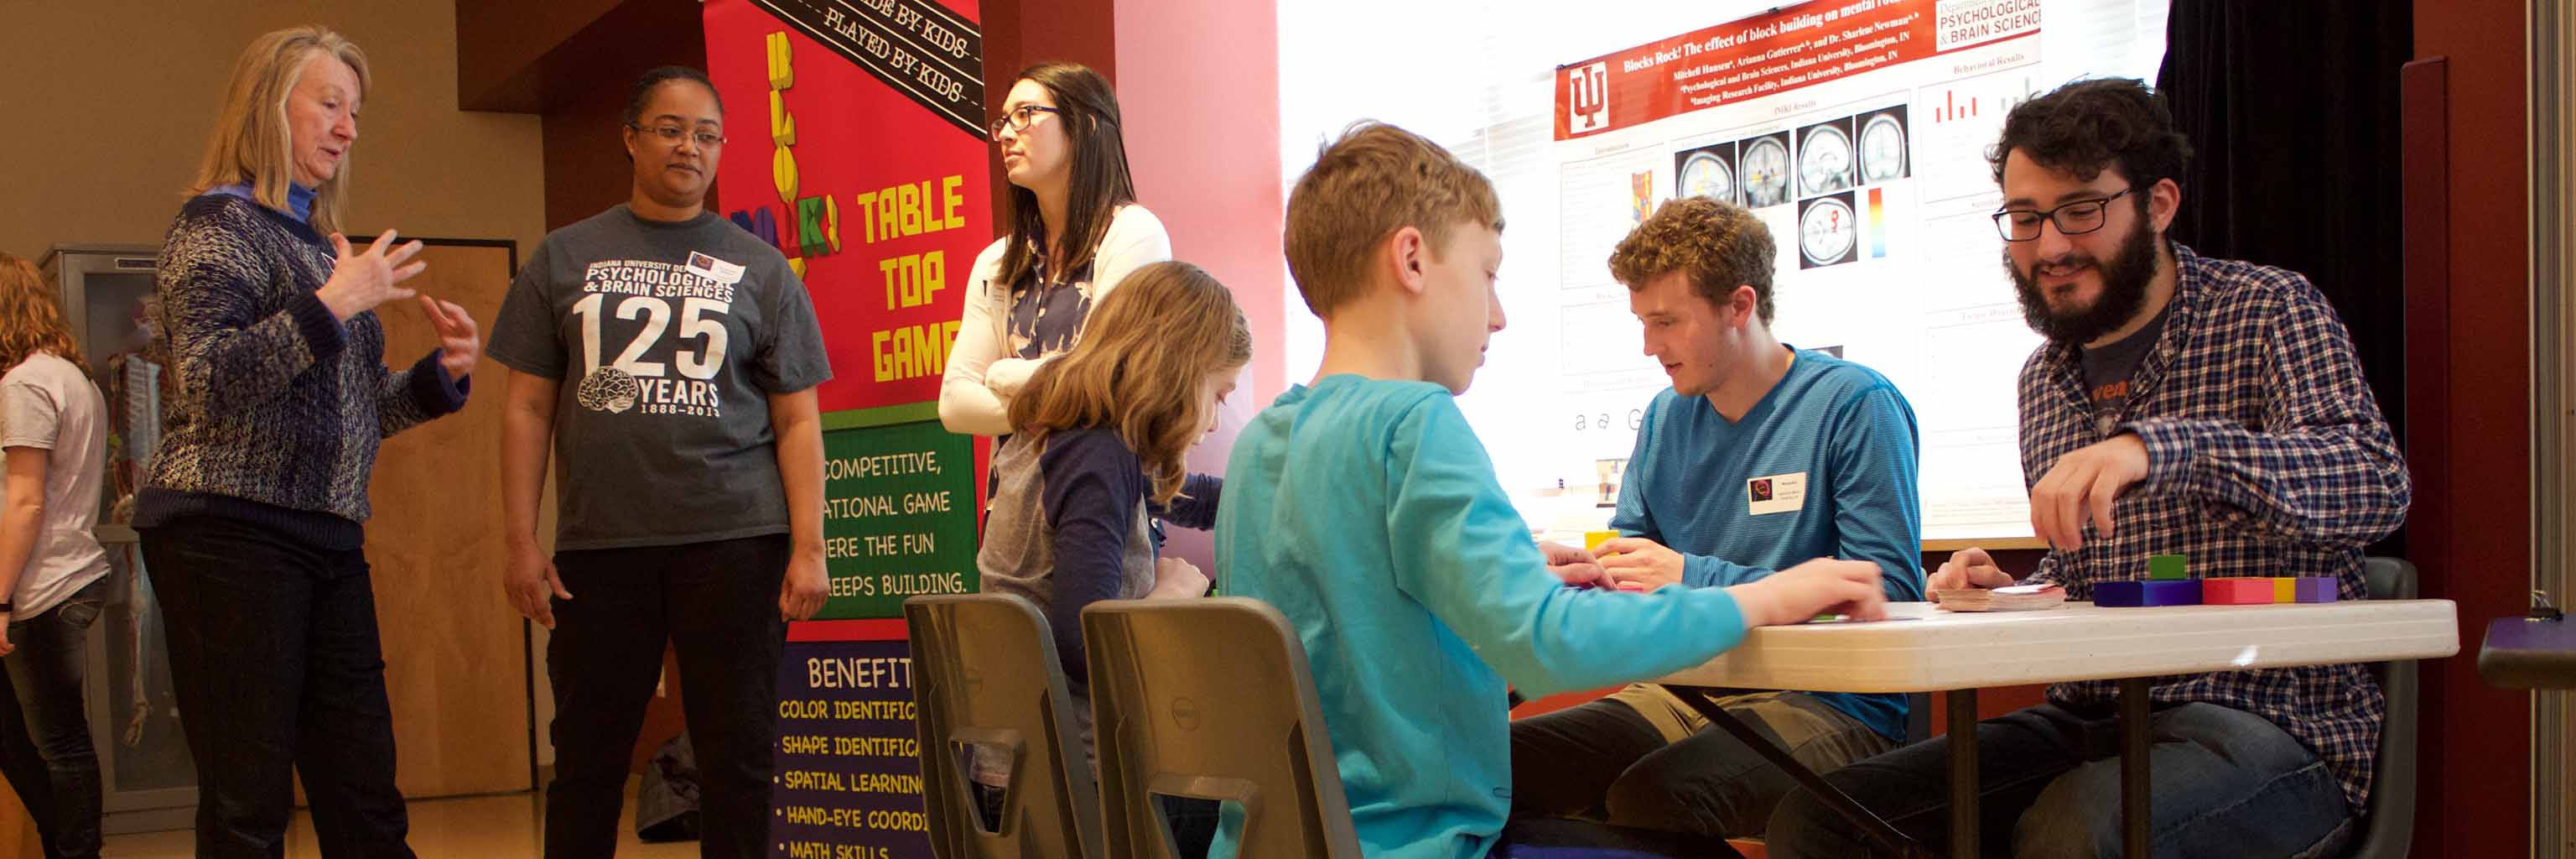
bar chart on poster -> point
(1857, 130)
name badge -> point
(714, 269)
(1778, 493)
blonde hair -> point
(1719, 245)
(250, 142)
(1137, 370)
(1375, 180)
(29, 320)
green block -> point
(2166, 567)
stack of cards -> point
(2015, 598)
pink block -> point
(2237, 591)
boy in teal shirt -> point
(1363, 507)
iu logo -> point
(1587, 103)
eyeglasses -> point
(2072, 219)
(671, 135)
(1018, 119)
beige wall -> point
(109, 102)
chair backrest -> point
(1211, 698)
(2389, 827)
(985, 673)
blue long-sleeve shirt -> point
(1822, 466)
(1368, 513)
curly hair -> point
(1721, 245)
(2086, 126)
(29, 320)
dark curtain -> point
(2292, 111)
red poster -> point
(1764, 55)
(855, 144)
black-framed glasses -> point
(1018, 119)
(2073, 219)
(671, 135)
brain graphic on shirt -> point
(608, 389)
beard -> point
(2124, 290)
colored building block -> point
(2237, 591)
(1593, 539)
(2285, 589)
(2314, 589)
(2146, 594)
(2167, 568)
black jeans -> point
(279, 673)
(44, 739)
(717, 604)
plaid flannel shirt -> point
(2266, 456)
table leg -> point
(1963, 772)
(1851, 810)
(2135, 822)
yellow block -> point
(1593, 539)
(2285, 590)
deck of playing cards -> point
(2015, 598)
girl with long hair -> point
(1101, 433)
(53, 572)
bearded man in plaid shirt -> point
(2205, 407)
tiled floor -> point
(488, 827)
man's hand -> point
(2090, 478)
(1640, 560)
(1967, 568)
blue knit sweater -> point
(280, 406)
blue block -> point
(2147, 593)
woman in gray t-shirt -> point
(53, 429)
(670, 359)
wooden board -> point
(455, 663)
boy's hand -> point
(1820, 586)
(1573, 566)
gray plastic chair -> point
(1211, 698)
(2388, 828)
(985, 672)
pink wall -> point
(2470, 531)
(1198, 83)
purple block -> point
(2143, 594)
(2315, 589)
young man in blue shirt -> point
(1758, 457)
(2181, 404)
(1362, 506)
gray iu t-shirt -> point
(667, 338)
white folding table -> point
(1924, 649)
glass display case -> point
(147, 780)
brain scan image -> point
(1824, 161)
(1882, 149)
(1705, 175)
(1765, 172)
(1827, 232)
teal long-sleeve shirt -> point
(1368, 513)
(1824, 465)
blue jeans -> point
(2226, 783)
(44, 725)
